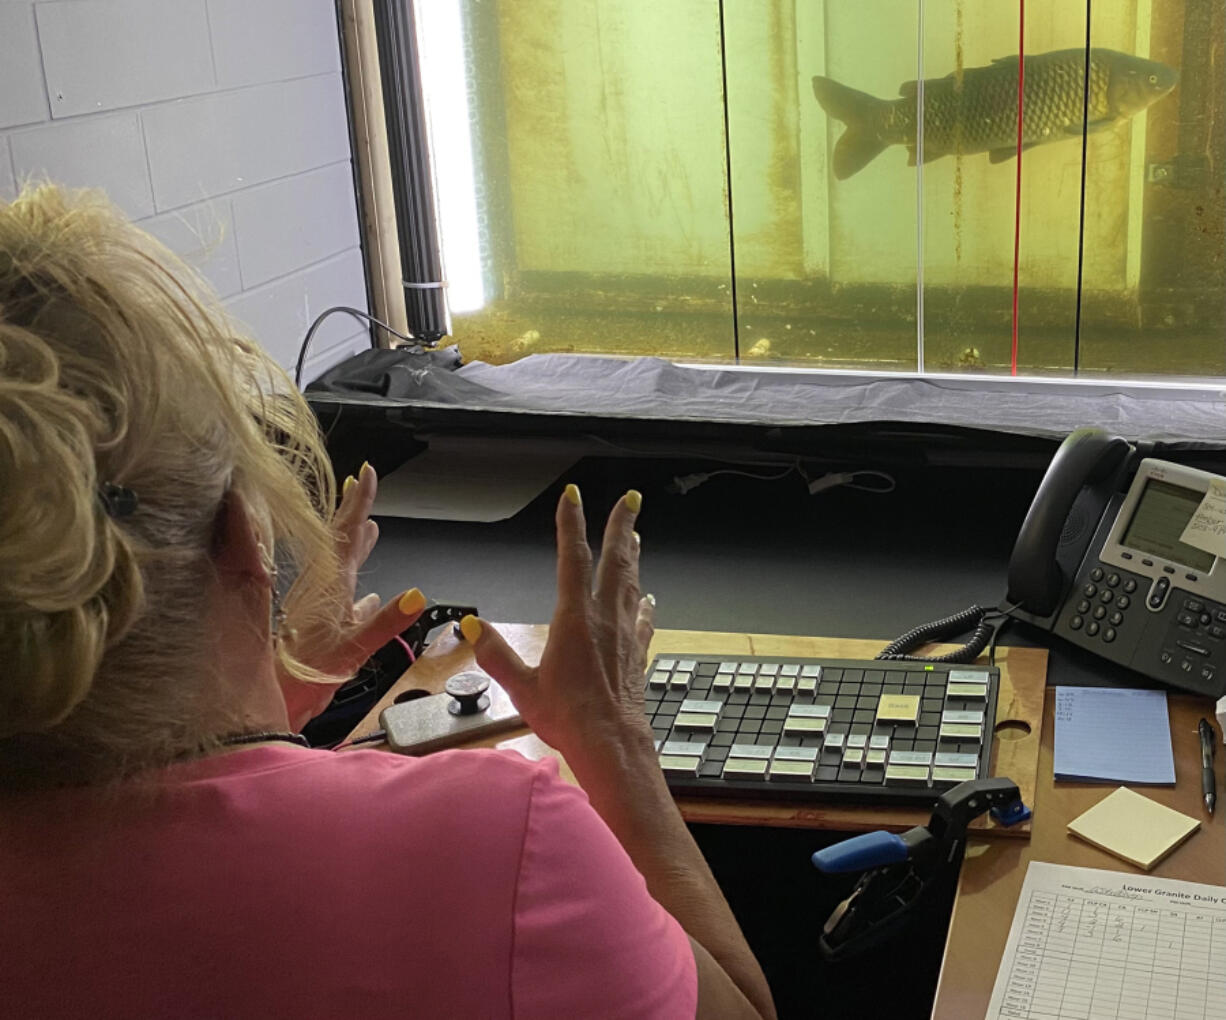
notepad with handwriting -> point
(1113, 735)
(1134, 827)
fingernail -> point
(470, 627)
(638, 539)
(650, 598)
(571, 492)
(365, 467)
(634, 500)
(412, 601)
(350, 482)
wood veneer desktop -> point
(993, 871)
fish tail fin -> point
(861, 143)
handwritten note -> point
(1089, 943)
(1113, 734)
(1207, 528)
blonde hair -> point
(118, 365)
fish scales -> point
(976, 110)
(979, 113)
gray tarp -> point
(652, 388)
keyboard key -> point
(745, 768)
(688, 748)
(695, 721)
(948, 774)
(907, 774)
(751, 750)
(794, 771)
(679, 765)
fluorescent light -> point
(440, 33)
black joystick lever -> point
(467, 691)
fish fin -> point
(861, 143)
(1007, 152)
(1091, 126)
(930, 153)
(908, 89)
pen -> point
(1206, 764)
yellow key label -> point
(898, 707)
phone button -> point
(1116, 618)
(1109, 635)
(1158, 594)
(1113, 580)
(1130, 586)
(1083, 606)
(1096, 574)
(1075, 623)
(1123, 601)
(1092, 628)
(1106, 596)
(1090, 590)
(1100, 612)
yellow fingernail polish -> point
(365, 467)
(412, 601)
(350, 482)
(470, 627)
(572, 493)
(634, 500)
(638, 539)
(650, 598)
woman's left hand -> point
(365, 626)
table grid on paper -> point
(1106, 958)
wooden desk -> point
(993, 871)
(1015, 749)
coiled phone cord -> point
(982, 618)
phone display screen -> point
(1163, 511)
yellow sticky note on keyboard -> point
(1133, 827)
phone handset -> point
(1088, 461)
(1086, 466)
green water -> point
(655, 182)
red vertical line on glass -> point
(1017, 191)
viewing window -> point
(834, 185)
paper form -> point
(1207, 528)
(1103, 945)
(1113, 734)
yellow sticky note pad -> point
(1133, 827)
(898, 707)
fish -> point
(976, 110)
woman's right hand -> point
(587, 692)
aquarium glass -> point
(835, 185)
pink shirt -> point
(282, 882)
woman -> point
(166, 848)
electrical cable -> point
(684, 483)
(356, 313)
(848, 479)
(986, 621)
(369, 738)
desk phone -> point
(822, 729)
(1118, 554)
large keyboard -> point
(820, 729)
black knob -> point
(468, 693)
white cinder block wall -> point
(220, 126)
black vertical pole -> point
(412, 189)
